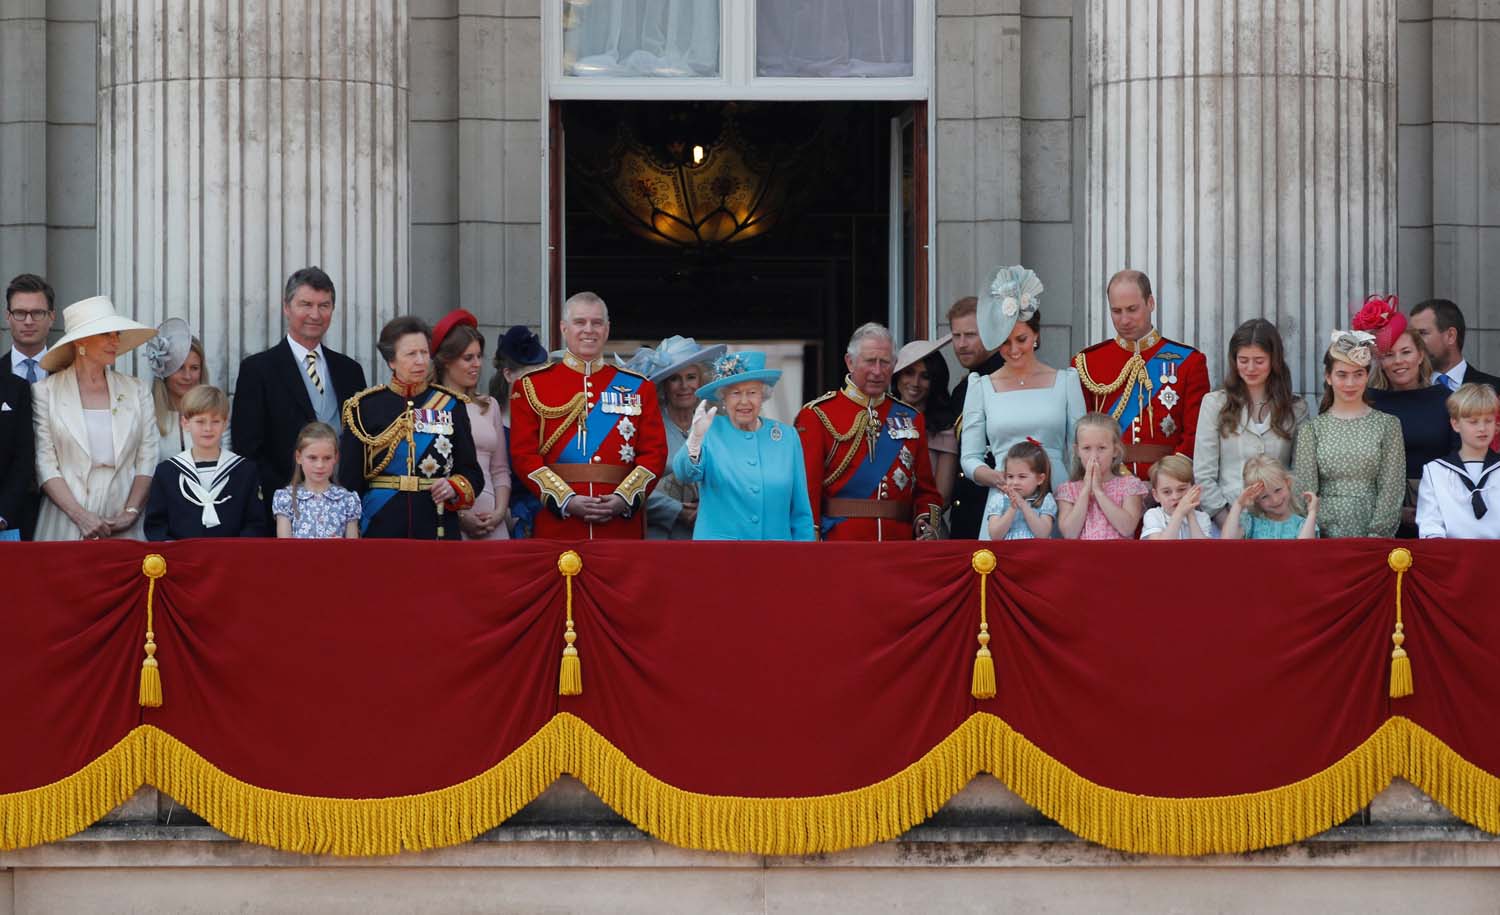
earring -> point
(1036, 344)
(81, 350)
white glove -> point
(703, 417)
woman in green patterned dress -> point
(1352, 455)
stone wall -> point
(1008, 153)
(47, 150)
(1449, 56)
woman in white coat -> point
(96, 437)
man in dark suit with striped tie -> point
(293, 383)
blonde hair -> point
(162, 398)
(1267, 471)
(312, 432)
(203, 398)
(1105, 422)
(1473, 400)
(1177, 466)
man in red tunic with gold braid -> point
(869, 476)
(586, 436)
(1151, 385)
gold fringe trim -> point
(72, 804)
(771, 826)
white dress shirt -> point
(1456, 374)
(301, 352)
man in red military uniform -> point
(1151, 385)
(586, 436)
(869, 476)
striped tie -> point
(312, 371)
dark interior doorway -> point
(818, 266)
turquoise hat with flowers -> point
(1012, 294)
(737, 368)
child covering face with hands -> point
(1176, 515)
(1099, 503)
(1029, 509)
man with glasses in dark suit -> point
(30, 307)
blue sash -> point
(1135, 397)
(374, 500)
(866, 479)
(600, 421)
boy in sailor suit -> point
(206, 491)
(1460, 494)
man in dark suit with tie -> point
(30, 307)
(17, 457)
(293, 383)
(1440, 323)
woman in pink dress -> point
(457, 360)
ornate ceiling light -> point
(696, 177)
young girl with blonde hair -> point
(1102, 501)
(313, 506)
(1269, 508)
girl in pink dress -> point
(1102, 501)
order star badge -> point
(900, 478)
(1168, 397)
(627, 429)
(627, 453)
(429, 466)
(444, 446)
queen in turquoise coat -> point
(751, 480)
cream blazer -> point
(1219, 463)
(62, 448)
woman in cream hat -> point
(96, 438)
(920, 380)
(1351, 456)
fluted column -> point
(1243, 152)
(241, 140)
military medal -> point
(1168, 426)
(627, 453)
(627, 429)
(433, 422)
(901, 427)
(620, 400)
(906, 457)
(444, 446)
(429, 466)
(1168, 397)
(900, 478)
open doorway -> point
(774, 225)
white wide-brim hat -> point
(917, 350)
(90, 318)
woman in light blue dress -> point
(1024, 398)
(752, 482)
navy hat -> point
(521, 346)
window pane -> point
(640, 38)
(828, 38)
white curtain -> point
(641, 37)
(829, 38)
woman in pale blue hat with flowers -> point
(752, 482)
(678, 368)
(1023, 399)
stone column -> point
(241, 141)
(1243, 154)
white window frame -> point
(737, 79)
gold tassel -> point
(570, 676)
(983, 686)
(153, 567)
(1401, 684)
